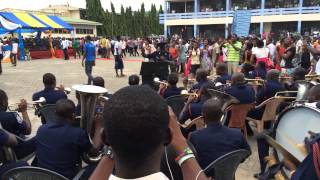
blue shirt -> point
(59, 147)
(215, 141)
(243, 92)
(171, 91)
(13, 123)
(4, 137)
(7, 47)
(194, 111)
(51, 95)
(198, 86)
(269, 90)
(223, 78)
(90, 51)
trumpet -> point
(157, 81)
(186, 93)
(67, 90)
(32, 105)
(257, 82)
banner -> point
(8, 25)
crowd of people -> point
(138, 126)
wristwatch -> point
(107, 151)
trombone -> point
(186, 93)
(256, 82)
(282, 95)
(32, 105)
(157, 81)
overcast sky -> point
(38, 4)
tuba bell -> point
(90, 100)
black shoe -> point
(257, 175)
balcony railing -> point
(254, 12)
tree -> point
(96, 13)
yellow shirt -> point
(195, 58)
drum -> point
(292, 127)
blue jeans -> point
(88, 69)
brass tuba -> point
(90, 97)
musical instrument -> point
(90, 96)
(32, 105)
(157, 81)
(186, 93)
(291, 129)
(312, 77)
(256, 82)
(224, 97)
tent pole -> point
(21, 45)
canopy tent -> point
(26, 22)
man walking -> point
(65, 46)
(14, 52)
(1, 56)
(89, 58)
(118, 57)
(234, 47)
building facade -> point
(211, 18)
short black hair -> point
(3, 100)
(98, 81)
(136, 123)
(260, 43)
(222, 68)
(65, 108)
(299, 74)
(201, 75)
(211, 110)
(118, 38)
(134, 80)
(49, 79)
(173, 79)
(314, 94)
(273, 75)
(88, 38)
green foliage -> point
(126, 23)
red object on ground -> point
(59, 53)
(44, 54)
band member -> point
(60, 145)
(89, 58)
(222, 73)
(201, 77)
(17, 125)
(314, 95)
(172, 89)
(240, 89)
(99, 81)
(118, 57)
(50, 93)
(193, 107)
(10, 140)
(216, 140)
(134, 80)
(270, 88)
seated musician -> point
(59, 145)
(134, 80)
(270, 88)
(193, 107)
(99, 81)
(260, 71)
(222, 72)
(298, 75)
(314, 95)
(172, 89)
(49, 93)
(138, 140)
(17, 125)
(9, 140)
(246, 69)
(240, 89)
(201, 77)
(215, 140)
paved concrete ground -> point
(25, 79)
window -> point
(281, 3)
(244, 5)
(212, 5)
(84, 31)
(307, 3)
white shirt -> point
(156, 176)
(65, 44)
(299, 46)
(318, 67)
(261, 52)
(118, 46)
(14, 48)
(272, 49)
